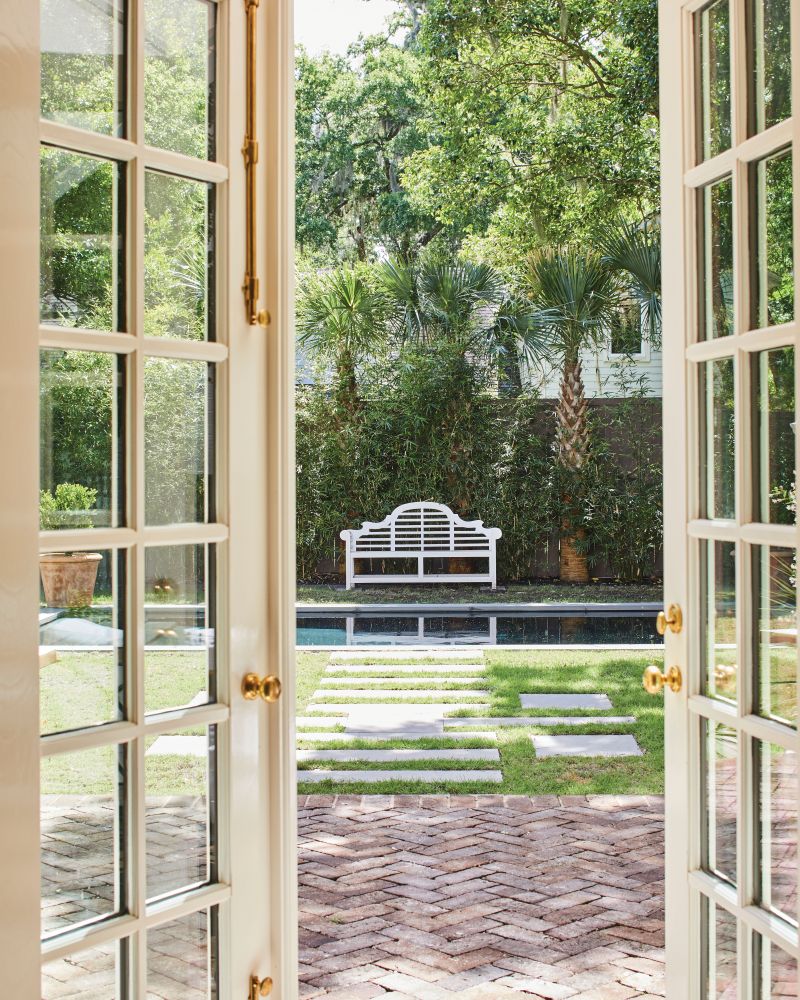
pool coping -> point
(496, 647)
(498, 608)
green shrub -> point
(68, 506)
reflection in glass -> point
(180, 801)
(83, 64)
(179, 627)
(81, 446)
(718, 438)
(177, 397)
(81, 266)
(771, 70)
(716, 242)
(713, 42)
(182, 958)
(778, 971)
(179, 76)
(721, 798)
(775, 605)
(82, 647)
(772, 255)
(777, 839)
(82, 807)
(774, 436)
(178, 248)
(88, 975)
(720, 652)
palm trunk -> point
(572, 449)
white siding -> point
(605, 375)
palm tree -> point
(460, 306)
(634, 252)
(339, 318)
(575, 295)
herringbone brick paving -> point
(477, 897)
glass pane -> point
(721, 797)
(778, 971)
(177, 396)
(772, 255)
(716, 243)
(83, 64)
(82, 645)
(180, 799)
(177, 257)
(713, 41)
(81, 450)
(774, 436)
(775, 605)
(179, 76)
(718, 439)
(771, 68)
(82, 241)
(179, 627)
(778, 788)
(720, 651)
(182, 959)
(83, 827)
(89, 975)
(721, 962)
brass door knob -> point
(268, 688)
(671, 619)
(260, 987)
(654, 680)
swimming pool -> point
(507, 629)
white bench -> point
(421, 531)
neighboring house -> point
(625, 361)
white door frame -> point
(19, 488)
(256, 386)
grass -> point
(515, 593)
(508, 674)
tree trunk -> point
(572, 565)
(572, 452)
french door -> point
(164, 571)
(730, 72)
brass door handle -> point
(268, 688)
(260, 987)
(671, 619)
(654, 680)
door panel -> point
(167, 803)
(730, 236)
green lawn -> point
(80, 689)
(534, 593)
(618, 674)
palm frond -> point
(635, 252)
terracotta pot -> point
(69, 580)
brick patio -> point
(436, 897)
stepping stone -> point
(182, 746)
(399, 694)
(378, 681)
(448, 777)
(545, 720)
(396, 735)
(408, 654)
(586, 746)
(394, 755)
(437, 710)
(404, 668)
(599, 701)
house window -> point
(626, 332)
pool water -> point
(534, 629)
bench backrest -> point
(422, 527)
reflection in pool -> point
(503, 629)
